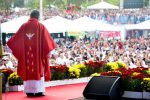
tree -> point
(5, 5)
(33, 4)
(115, 2)
(18, 3)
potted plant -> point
(146, 87)
(15, 82)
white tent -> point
(107, 27)
(103, 5)
(13, 25)
(130, 26)
(56, 24)
(88, 24)
(82, 24)
(142, 26)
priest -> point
(31, 46)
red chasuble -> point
(31, 46)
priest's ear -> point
(35, 14)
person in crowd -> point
(6, 63)
(31, 46)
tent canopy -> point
(13, 25)
(59, 24)
(144, 25)
(103, 5)
(82, 24)
(140, 26)
(56, 24)
(87, 24)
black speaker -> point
(104, 88)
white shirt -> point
(60, 61)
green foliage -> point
(14, 79)
(83, 72)
(18, 3)
(5, 5)
(33, 4)
(133, 85)
(114, 2)
(61, 4)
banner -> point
(109, 34)
(77, 34)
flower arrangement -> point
(74, 72)
(59, 72)
(131, 78)
(77, 70)
(7, 72)
(111, 73)
(146, 84)
(148, 71)
(83, 69)
(94, 66)
(136, 79)
(14, 79)
(112, 66)
(121, 64)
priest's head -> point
(34, 14)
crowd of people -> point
(133, 52)
(68, 52)
(119, 16)
(7, 16)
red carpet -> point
(63, 92)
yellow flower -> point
(135, 73)
(146, 84)
(113, 65)
(95, 74)
(148, 71)
(146, 79)
(121, 64)
(74, 72)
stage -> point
(62, 92)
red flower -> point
(60, 68)
(95, 64)
(7, 71)
(140, 76)
(111, 73)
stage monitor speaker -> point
(103, 88)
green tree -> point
(115, 2)
(33, 4)
(5, 5)
(18, 3)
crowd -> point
(120, 16)
(7, 16)
(134, 52)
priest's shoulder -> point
(42, 25)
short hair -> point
(35, 14)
